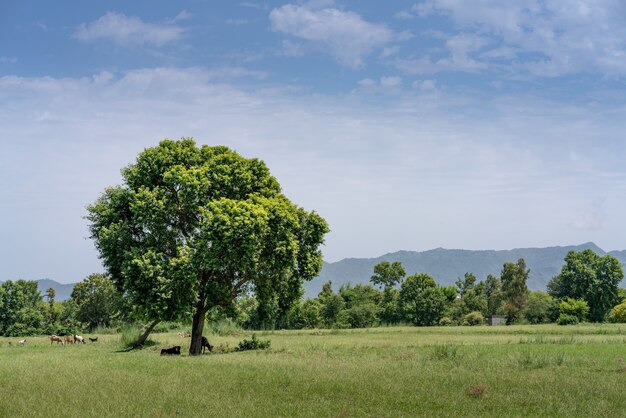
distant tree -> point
(192, 228)
(387, 274)
(514, 289)
(474, 300)
(331, 307)
(53, 311)
(331, 304)
(450, 292)
(305, 314)
(588, 276)
(493, 292)
(98, 303)
(465, 284)
(359, 294)
(23, 311)
(361, 306)
(390, 312)
(422, 300)
(541, 308)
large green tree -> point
(588, 276)
(192, 228)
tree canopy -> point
(588, 276)
(514, 288)
(194, 227)
(387, 274)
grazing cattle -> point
(93, 340)
(172, 351)
(22, 342)
(78, 339)
(56, 338)
(68, 339)
(205, 344)
(184, 334)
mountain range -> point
(444, 265)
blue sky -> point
(407, 124)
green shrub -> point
(253, 344)
(446, 321)
(565, 319)
(574, 307)
(473, 318)
(618, 313)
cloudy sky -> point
(407, 125)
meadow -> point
(539, 370)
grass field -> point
(382, 372)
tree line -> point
(587, 289)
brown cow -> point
(68, 340)
(56, 338)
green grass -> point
(383, 372)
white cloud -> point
(426, 85)
(345, 35)
(366, 82)
(391, 81)
(183, 15)
(541, 38)
(129, 30)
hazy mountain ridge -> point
(62, 291)
(447, 265)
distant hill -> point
(62, 291)
(445, 266)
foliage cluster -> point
(253, 344)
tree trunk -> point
(197, 328)
(142, 338)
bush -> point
(253, 344)
(473, 318)
(166, 326)
(446, 321)
(565, 319)
(574, 307)
(618, 313)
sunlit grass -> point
(404, 371)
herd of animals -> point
(78, 339)
(70, 339)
